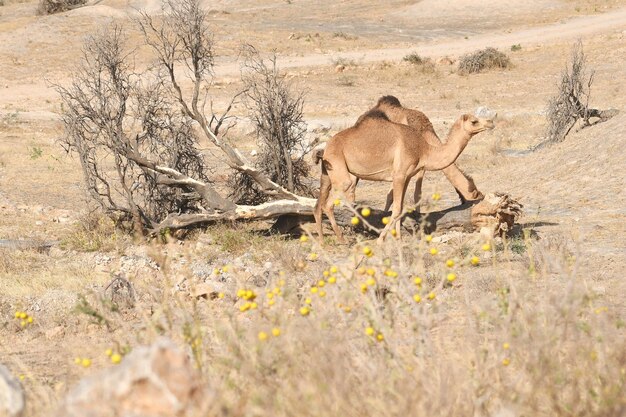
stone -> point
(12, 400)
(152, 381)
(444, 61)
(485, 113)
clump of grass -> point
(516, 47)
(344, 36)
(482, 60)
(342, 61)
(424, 64)
(95, 232)
(58, 6)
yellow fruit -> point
(307, 301)
(337, 202)
(367, 251)
(23, 315)
(275, 332)
(370, 271)
(85, 362)
(355, 220)
(436, 196)
(116, 358)
(366, 212)
(363, 288)
(433, 251)
(332, 279)
(220, 295)
(380, 337)
(262, 336)
(321, 283)
(475, 260)
(333, 269)
(428, 238)
(322, 294)
(393, 232)
(417, 298)
(253, 306)
(486, 247)
(417, 281)
(326, 273)
(451, 276)
(314, 290)
(431, 296)
(304, 238)
(369, 331)
(449, 263)
(506, 361)
(305, 311)
(371, 282)
(108, 352)
(17, 314)
(29, 320)
(505, 346)
(385, 220)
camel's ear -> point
(466, 117)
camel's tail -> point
(318, 154)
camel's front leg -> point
(463, 184)
(417, 194)
(399, 189)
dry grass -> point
(482, 60)
(58, 6)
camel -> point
(377, 149)
(395, 112)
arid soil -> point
(572, 192)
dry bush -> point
(425, 65)
(58, 6)
(483, 59)
(276, 112)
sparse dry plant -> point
(571, 102)
(424, 64)
(482, 60)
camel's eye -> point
(474, 122)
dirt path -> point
(572, 29)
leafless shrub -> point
(135, 133)
(276, 111)
(483, 59)
(58, 6)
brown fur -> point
(378, 149)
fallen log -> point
(495, 214)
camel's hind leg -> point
(325, 188)
(342, 183)
(463, 184)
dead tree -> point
(571, 102)
(276, 111)
(135, 133)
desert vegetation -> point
(158, 253)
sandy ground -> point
(573, 192)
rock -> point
(485, 113)
(152, 381)
(254, 152)
(11, 394)
(340, 68)
(444, 61)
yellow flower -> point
(369, 331)
(431, 295)
(23, 323)
(451, 276)
(216, 271)
(370, 271)
(220, 295)
(304, 238)
(417, 281)
(433, 251)
(428, 238)
(486, 247)
(281, 282)
(250, 295)
(370, 282)
(271, 302)
(322, 293)
(307, 301)
(85, 362)
(385, 220)
(337, 202)
(77, 360)
(22, 377)
(304, 311)
(321, 283)
(332, 279)
(244, 307)
(312, 256)
(326, 273)
(253, 306)
(380, 337)
(355, 220)
(23, 315)
(505, 346)
(366, 212)
(361, 270)
(275, 332)
(108, 352)
(363, 288)
(391, 273)
(262, 336)
(506, 361)
(241, 293)
(367, 251)
(30, 319)
(449, 263)
(226, 268)
(417, 298)
(18, 314)
(475, 260)
(116, 358)
(276, 290)
(333, 269)
(314, 290)
(270, 295)
(347, 309)
(436, 196)
(393, 232)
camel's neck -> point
(442, 156)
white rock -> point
(485, 112)
(11, 394)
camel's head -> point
(474, 125)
